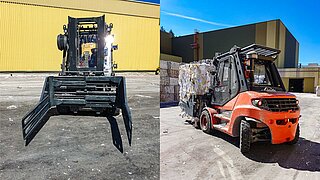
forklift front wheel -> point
(205, 122)
(245, 136)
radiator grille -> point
(281, 104)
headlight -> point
(257, 102)
(260, 103)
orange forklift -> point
(246, 99)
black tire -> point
(196, 123)
(296, 137)
(62, 42)
(205, 122)
(245, 136)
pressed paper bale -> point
(174, 66)
(169, 89)
(164, 80)
(163, 64)
(194, 79)
(176, 89)
(163, 72)
(176, 97)
(162, 89)
(174, 81)
(166, 97)
(173, 73)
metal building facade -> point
(28, 31)
(269, 33)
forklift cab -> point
(248, 69)
(261, 73)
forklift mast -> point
(87, 47)
(86, 85)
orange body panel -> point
(211, 113)
(230, 105)
(242, 107)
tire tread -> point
(245, 136)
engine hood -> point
(254, 94)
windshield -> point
(262, 74)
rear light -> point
(282, 121)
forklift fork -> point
(79, 95)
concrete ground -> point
(188, 153)
(69, 147)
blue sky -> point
(302, 18)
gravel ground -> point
(70, 147)
(188, 153)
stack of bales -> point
(194, 79)
(169, 87)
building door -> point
(296, 85)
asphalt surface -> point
(188, 153)
(77, 147)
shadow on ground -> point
(305, 155)
(116, 136)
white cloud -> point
(196, 19)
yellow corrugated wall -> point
(308, 85)
(28, 38)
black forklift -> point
(86, 85)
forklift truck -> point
(247, 99)
(86, 85)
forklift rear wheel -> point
(296, 137)
(205, 122)
(245, 136)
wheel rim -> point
(204, 122)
